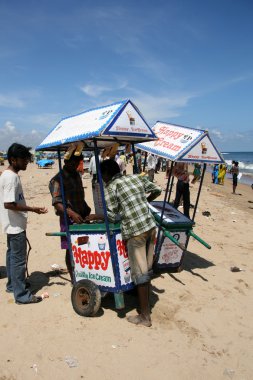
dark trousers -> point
(183, 190)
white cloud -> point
(216, 133)
(161, 107)
(94, 90)
(8, 128)
(11, 101)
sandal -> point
(34, 299)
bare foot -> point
(139, 320)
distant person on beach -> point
(76, 207)
(221, 174)
(215, 174)
(13, 214)
(93, 167)
(180, 171)
(126, 201)
(235, 171)
(151, 166)
(196, 173)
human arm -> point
(18, 207)
(57, 202)
(151, 188)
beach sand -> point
(202, 316)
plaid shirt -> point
(126, 200)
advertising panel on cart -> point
(177, 143)
(121, 121)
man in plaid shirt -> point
(126, 201)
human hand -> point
(93, 217)
(75, 217)
(40, 210)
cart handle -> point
(191, 233)
(56, 234)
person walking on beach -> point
(77, 208)
(235, 171)
(13, 212)
(93, 168)
(183, 189)
(151, 166)
(126, 201)
(221, 174)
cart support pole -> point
(145, 161)
(119, 301)
(172, 181)
(135, 162)
(191, 233)
(118, 297)
(66, 217)
(159, 243)
(200, 187)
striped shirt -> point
(126, 201)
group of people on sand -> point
(219, 173)
(126, 200)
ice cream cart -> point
(177, 144)
(98, 253)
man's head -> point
(109, 168)
(72, 163)
(19, 156)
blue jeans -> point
(16, 266)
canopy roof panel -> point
(177, 143)
(121, 121)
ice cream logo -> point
(104, 114)
(131, 118)
(185, 139)
(126, 266)
(101, 242)
(204, 148)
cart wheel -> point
(85, 298)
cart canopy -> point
(177, 143)
(117, 122)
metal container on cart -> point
(178, 225)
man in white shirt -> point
(151, 165)
(13, 213)
(93, 167)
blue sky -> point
(186, 62)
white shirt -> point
(122, 165)
(13, 222)
(92, 166)
(151, 162)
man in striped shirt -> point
(126, 201)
